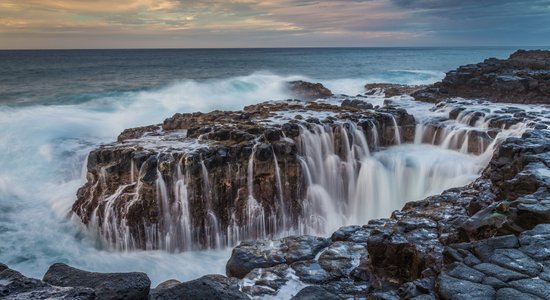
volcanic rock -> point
(522, 78)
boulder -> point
(14, 285)
(106, 285)
(209, 287)
(308, 91)
(249, 255)
(314, 293)
(522, 78)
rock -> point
(264, 254)
(250, 255)
(308, 91)
(401, 252)
(512, 294)
(517, 261)
(205, 288)
(137, 181)
(310, 271)
(461, 271)
(536, 242)
(13, 285)
(106, 285)
(360, 104)
(391, 90)
(341, 257)
(535, 287)
(498, 272)
(266, 281)
(522, 78)
(314, 293)
(300, 248)
(452, 288)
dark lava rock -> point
(359, 104)
(314, 293)
(209, 287)
(308, 91)
(249, 255)
(310, 271)
(391, 90)
(452, 288)
(13, 285)
(266, 281)
(522, 78)
(536, 242)
(106, 285)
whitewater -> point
(43, 149)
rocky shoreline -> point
(238, 176)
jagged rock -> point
(308, 91)
(266, 281)
(516, 260)
(536, 242)
(250, 255)
(15, 286)
(347, 288)
(205, 288)
(106, 285)
(197, 165)
(535, 287)
(356, 103)
(422, 288)
(310, 271)
(341, 257)
(522, 78)
(513, 294)
(391, 90)
(452, 288)
(314, 293)
(402, 251)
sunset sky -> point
(284, 23)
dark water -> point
(74, 76)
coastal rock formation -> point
(274, 174)
(522, 78)
(206, 287)
(391, 89)
(207, 180)
(14, 285)
(106, 285)
(457, 244)
(304, 90)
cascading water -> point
(348, 177)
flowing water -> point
(55, 106)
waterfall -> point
(346, 174)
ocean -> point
(57, 105)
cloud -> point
(228, 23)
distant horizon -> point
(539, 47)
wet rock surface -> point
(222, 173)
(14, 285)
(486, 240)
(392, 90)
(522, 78)
(105, 285)
(468, 242)
(304, 90)
(206, 287)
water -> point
(55, 106)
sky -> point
(46, 24)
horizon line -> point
(301, 47)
